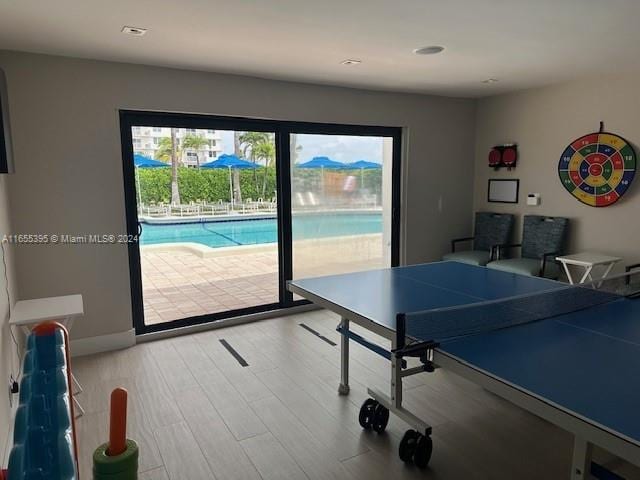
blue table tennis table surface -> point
(586, 363)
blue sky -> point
(341, 148)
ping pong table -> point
(568, 354)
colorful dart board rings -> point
(598, 168)
(503, 156)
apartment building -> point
(148, 140)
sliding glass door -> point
(209, 233)
(226, 210)
(341, 199)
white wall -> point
(543, 122)
(69, 174)
(8, 360)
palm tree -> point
(237, 151)
(168, 151)
(163, 152)
(175, 192)
(194, 142)
(249, 141)
(265, 151)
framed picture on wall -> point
(503, 190)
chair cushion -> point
(543, 235)
(525, 266)
(492, 229)
(472, 257)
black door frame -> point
(282, 130)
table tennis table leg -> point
(581, 463)
(396, 378)
(343, 389)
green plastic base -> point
(120, 467)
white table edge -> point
(77, 312)
(583, 263)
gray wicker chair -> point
(490, 229)
(543, 239)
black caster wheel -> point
(380, 418)
(408, 445)
(423, 451)
(367, 413)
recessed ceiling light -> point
(431, 50)
(351, 61)
(136, 31)
(490, 80)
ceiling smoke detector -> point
(490, 80)
(351, 61)
(135, 31)
(431, 50)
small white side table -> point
(26, 314)
(588, 261)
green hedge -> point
(198, 184)
(213, 184)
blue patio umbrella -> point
(229, 162)
(322, 163)
(140, 161)
(363, 165)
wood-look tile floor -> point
(196, 413)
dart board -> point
(598, 168)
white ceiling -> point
(523, 43)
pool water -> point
(251, 232)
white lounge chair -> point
(313, 202)
(218, 208)
(185, 209)
(261, 205)
(152, 210)
(300, 201)
(247, 206)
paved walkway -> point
(178, 284)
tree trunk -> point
(175, 193)
(255, 170)
(264, 182)
(237, 193)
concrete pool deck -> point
(185, 280)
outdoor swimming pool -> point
(251, 232)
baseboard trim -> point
(227, 322)
(103, 343)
